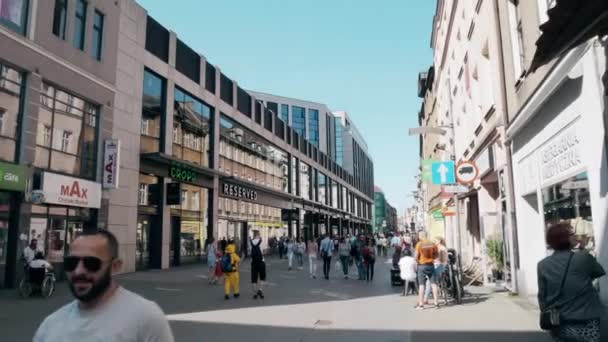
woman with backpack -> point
(369, 258)
(230, 267)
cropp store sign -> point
(70, 191)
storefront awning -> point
(570, 23)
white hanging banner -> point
(111, 164)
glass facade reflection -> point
(11, 82)
(322, 188)
(305, 174)
(153, 110)
(66, 137)
(339, 145)
(245, 155)
(334, 194)
(313, 127)
(191, 129)
(191, 216)
(285, 113)
(298, 120)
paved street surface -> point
(296, 308)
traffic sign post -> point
(443, 172)
(466, 172)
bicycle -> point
(37, 280)
(453, 283)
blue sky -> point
(352, 55)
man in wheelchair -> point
(37, 269)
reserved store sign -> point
(239, 191)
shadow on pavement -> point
(190, 331)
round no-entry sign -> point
(466, 172)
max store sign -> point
(70, 191)
(239, 191)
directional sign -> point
(455, 189)
(443, 172)
(425, 165)
(466, 172)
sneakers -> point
(236, 295)
(260, 294)
(419, 307)
(226, 297)
(255, 296)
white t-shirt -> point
(395, 241)
(29, 254)
(407, 266)
(126, 317)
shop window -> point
(569, 201)
(67, 136)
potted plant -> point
(494, 250)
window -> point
(187, 61)
(59, 18)
(184, 200)
(153, 110)
(46, 136)
(67, 135)
(191, 137)
(143, 194)
(10, 108)
(80, 24)
(313, 127)
(517, 39)
(285, 113)
(97, 43)
(196, 199)
(65, 141)
(13, 14)
(157, 39)
(298, 120)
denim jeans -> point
(361, 269)
(344, 260)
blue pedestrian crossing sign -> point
(443, 172)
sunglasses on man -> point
(91, 263)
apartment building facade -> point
(466, 99)
(557, 135)
(57, 87)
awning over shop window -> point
(570, 23)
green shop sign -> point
(13, 177)
(437, 215)
(182, 173)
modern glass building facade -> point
(313, 127)
(298, 120)
(169, 170)
(339, 147)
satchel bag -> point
(550, 317)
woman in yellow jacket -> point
(231, 278)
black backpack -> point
(256, 252)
